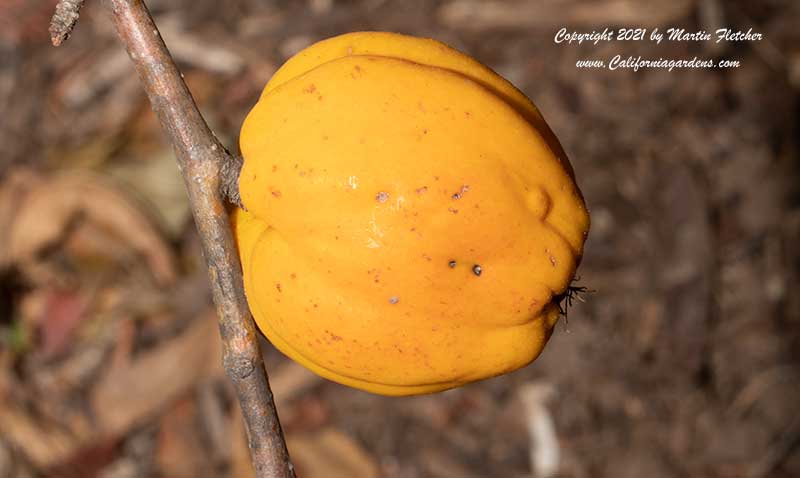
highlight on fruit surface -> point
(411, 221)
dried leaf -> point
(128, 394)
(13, 192)
(330, 453)
(290, 381)
(93, 75)
(51, 205)
(308, 413)
(196, 50)
(240, 466)
(63, 311)
(180, 449)
(41, 443)
(140, 389)
(158, 181)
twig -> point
(544, 449)
(202, 160)
(64, 19)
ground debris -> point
(682, 363)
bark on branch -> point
(64, 19)
(207, 169)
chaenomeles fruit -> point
(410, 217)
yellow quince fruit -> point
(410, 218)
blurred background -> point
(683, 362)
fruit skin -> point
(373, 161)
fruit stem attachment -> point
(203, 161)
(229, 180)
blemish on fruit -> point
(453, 210)
(394, 299)
(293, 276)
(533, 306)
(477, 270)
(553, 261)
(463, 189)
(422, 190)
(276, 193)
(310, 88)
(278, 286)
(274, 168)
(337, 338)
(382, 196)
(452, 264)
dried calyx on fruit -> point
(411, 219)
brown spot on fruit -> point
(310, 88)
(382, 197)
(276, 193)
(533, 306)
(463, 189)
(337, 338)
